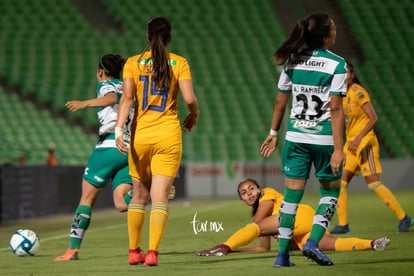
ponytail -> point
(295, 41)
(159, 35)
(310, 32)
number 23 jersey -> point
(156, 114)
(312, 76)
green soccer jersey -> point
(312, 76)
(108, 115)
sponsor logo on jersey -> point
(307, 126)
(308, 62)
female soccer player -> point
(106, 162)
(362, 154)
(153, 79)
(315, 79)
(265, 205)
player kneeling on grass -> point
(265, 205)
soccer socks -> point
(79, 225)
(352, 244)
(388, 198)
(287, 216)
(136, 219)
(324, 212)
(342, 208)
(158, 221)
(243, 236)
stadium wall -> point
(37, 191)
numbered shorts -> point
(162, 158)
(366, 159)
(105, 164)
(298, 159)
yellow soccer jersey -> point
(275, 196)
(156, 111)
(355, 117)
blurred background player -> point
(105, 162)
(315, 79)
(51, 159)
(265, 205)
(363, 154)
(153, 78)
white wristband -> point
(119, 131)
(273, 132)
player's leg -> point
(328, 200)
(331, 243)
(250, 232)
(139, 168)
(136, 220)
(342, 209)
(98, 167)
(81, 221)
(351, 168)
(371, 170)
(122, 189)
(295, 181)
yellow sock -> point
(158, 221)
(136, 218)
(342, 209)
(243, 236)
(388, 198)
(352, 244)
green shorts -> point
(298, 159)
(105, 164)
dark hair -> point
(159, 35)
(112, 65)
(310, 31)
(350, 67)
(256, 204)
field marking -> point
(116, 226)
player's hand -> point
(269, 145)
(336, 161)
(121, 145)
(120, 140)
(75, 105)
(190, 121)
(353, 145)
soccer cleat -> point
(380, 243)
(340, 229)
(218, 250)
(136, 256)
(171, 194)
(70, 255)
(405, 224)
(311, 250)
(282, 259)
(151, 259)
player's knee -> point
(121, 206)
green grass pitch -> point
(104, 250)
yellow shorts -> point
(163, 158)
(366, 159)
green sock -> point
(324, 212)
(80, 224)
(287, 216)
